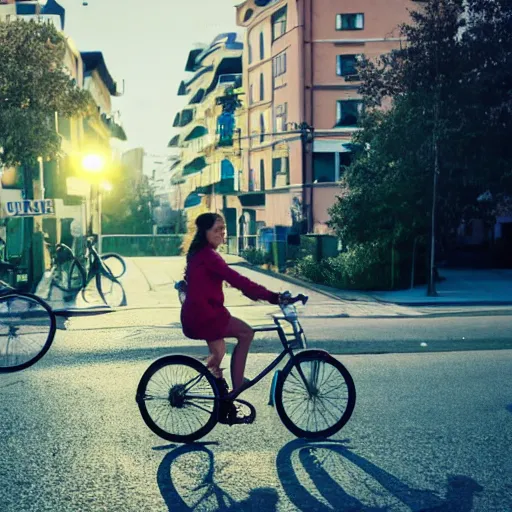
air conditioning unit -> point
(352, 78)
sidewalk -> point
(460, 288)
(153, 286)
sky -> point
(146, 44)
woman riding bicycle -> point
(204, 316)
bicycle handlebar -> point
(287, 298)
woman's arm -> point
(216, 264)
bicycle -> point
(175, 385)
(108, 286)
(27, 329)
(67, 273)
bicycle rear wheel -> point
(178, 398)
(315, 395)
(114, 263)
(111, 290)
(27, 330)
(69, 276)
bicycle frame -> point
(96, 265)
(287, 350)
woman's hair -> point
(204, 222)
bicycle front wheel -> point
(178, 398)
(315, 395)
(27, 330)
(115, 264)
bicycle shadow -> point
(205, 494)
(459, 496)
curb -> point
(451, 303)
(305, 284)
(74, 311)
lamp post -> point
(94, 164)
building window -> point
(348, 112)
(249, 53)
(262, 128)
(350, 21)
(280, 117)
(280, 172)
(251, 180)
(262, 87)
(262, 46)
(251, 94)
(279, 23)
(279, 64)
(262, 174)
(346, 65)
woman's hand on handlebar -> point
(287, 298)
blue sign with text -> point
(30, 208)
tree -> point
(34, 85)
(128, 209)
(431, 126)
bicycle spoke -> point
(170, 404)
(314, 395)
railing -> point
(142, 245)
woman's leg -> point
(244, 334)
(217, 352)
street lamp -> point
(94, 163)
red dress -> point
(203, 315)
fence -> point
(142, 245)
(281, 250)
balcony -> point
(233, 80)
(225, 129)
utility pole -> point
(306, 136)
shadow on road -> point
(322, 461)
(186, 481)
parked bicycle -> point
(106, 280)
(314, 395)
(67, 273)
(27, 329)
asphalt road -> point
(431, 431)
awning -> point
(198, 164)
(331, 146)
(182, 89)
(174, 142)
(187, 116)
(175, 164)
(193, 199)
(198, 97)
(197, 131)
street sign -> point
(30, 208)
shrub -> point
(256, 256)
(361, 267)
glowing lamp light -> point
(93, 163)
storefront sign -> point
(30, 208)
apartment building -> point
(303, 104)
(205, 176)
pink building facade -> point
(302, 100)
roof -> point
(95, 61)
